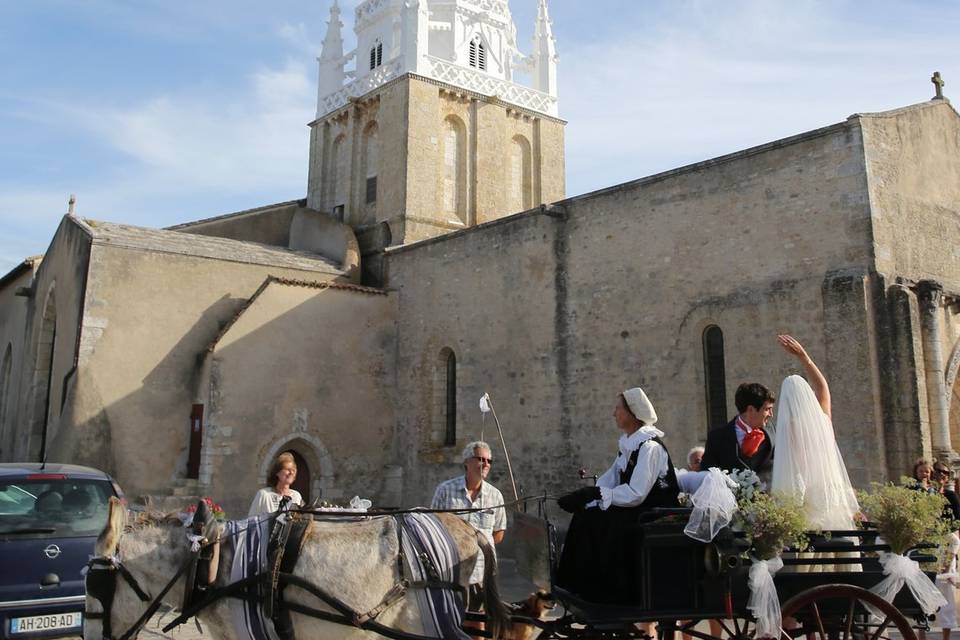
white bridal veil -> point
(807, 462)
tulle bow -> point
(901, 569)
(713, 506)
(764, 602)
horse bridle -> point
(103, 574)
(102, 577)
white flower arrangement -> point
(748, 484)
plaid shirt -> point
(453, 494)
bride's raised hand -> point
(792, 346)
(817, 380)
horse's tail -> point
(498, 618)
(110, 536)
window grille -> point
(714, 377)
(371, 190)
(478, 55)
(376, 56)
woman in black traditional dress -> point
(600, 553)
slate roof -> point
(191, 244)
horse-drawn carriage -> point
(683, 583)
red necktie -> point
(751, 440)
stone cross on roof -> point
(938, 84)
(70, 205)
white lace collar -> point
(630, 443)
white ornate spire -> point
(467, 43)
(545, 56)
(331, 58)
(415, 35)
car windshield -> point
(62, 506)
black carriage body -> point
(683, 579)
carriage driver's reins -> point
(104, 573)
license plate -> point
(49, 622)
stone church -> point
(436, 257)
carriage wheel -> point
(838, 612)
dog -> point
(535, 607)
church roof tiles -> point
(192, 244)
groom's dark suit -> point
(723, 452)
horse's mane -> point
(150, 519)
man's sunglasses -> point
(483, 460)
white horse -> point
(356, 561)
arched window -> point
(371, 165)
(450, 400)
(715, 381)
(43, 378)
(478, 54)
(455, 170)
(376, 55)
(337, 189)
(521, 179)
(5, 367)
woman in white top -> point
(808, 464)
(283, 472)
(600, 555)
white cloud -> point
(711, 78)
(665, 84)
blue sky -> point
(156, 112)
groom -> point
(744, 442)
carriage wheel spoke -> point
(881, 628)
(848, 632)
(724, 626)
(816, 612)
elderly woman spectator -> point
(283, 472)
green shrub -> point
(772, 523)
(905, 516)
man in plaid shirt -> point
(471, 491)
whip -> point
(486, 406)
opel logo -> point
(52, 551)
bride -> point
(808, 463)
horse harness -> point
(285, 545)
(103, 574)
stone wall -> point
(148, 316)
(409, 115)
(13, 326)
(554, 313)
(913, 160)
(50, 343)
(308, 369)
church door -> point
(302, 483)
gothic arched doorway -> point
(302, 483)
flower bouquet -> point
(748, 484)
(906, 516)
(215, 510)
(772, 523)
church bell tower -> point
(423, 128)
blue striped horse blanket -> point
(426, 540)
(250, 559)
(427, 546)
